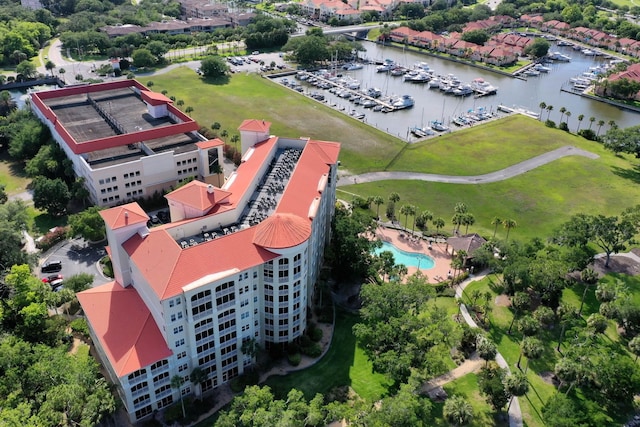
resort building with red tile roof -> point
(127, 141)
(237, 263)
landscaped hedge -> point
(295, 359)
(51, 238)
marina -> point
(434, 98)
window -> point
(283, 310)
(227, 337)
(137, 374)
(186, 391)
(284, 333)
(202, 308)
(283, 322)
(178, 329)
(165, 402)
(179, 342)
(141, 413)
(138, 387)
(160, 377)
(171, 303)
(159, 364)
(183, 367)
(228, 324)
(181, 355)
(283, 298)
(224, 299)
(245, 315)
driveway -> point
(77, 256)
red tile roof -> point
(255, 125)
(154, 98)
(210, 143)
(282, 231)
(196, 195)
(168, 268)
(121, 216)
(127, 331)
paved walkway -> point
(501, 175)
(515, 414)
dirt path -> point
(434, 387)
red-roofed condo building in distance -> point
(126, 141)
(236, 263)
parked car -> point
(51, 278)
(51, 267)
(56, 284)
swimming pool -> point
(410, 259)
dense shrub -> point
(563, 126)
(588, 134)
(315, 334)
(313, 350)
(550, 123)
(239, 383)
(305, 341)
(295, 359)
(80, 326)
(52, 237)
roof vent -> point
(210, 189)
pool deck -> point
(402, 241)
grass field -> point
(345, 364)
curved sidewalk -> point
(515, 413)
(501, 175)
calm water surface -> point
(432, 104)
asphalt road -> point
(77, 256)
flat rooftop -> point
(116, 111)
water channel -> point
(432, 104)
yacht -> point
(435, 83)
(352, 66)
(463, 90)
(541, 68)
(564, 43)
(557, 56)
(418, 77)
(374, 92)
(483, 87)
(387, 66)
(405, 102)
(588, 52)
(397, 71)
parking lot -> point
(77, 256)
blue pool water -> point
(410, 259)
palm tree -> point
(224, 134)
(394, 198)
(519, 302)
(549, 110)
(591, 120)
(150, 84)
(378, 200)
(562, 111)
(438, 223)
(527, 346)
(543, 105)
(580, 118)
(407, 210)
(50, 66)
(234, 139)
(589, 277)
(568, 114)
(189, 109)
(612, 124)
(600, 124)
(176, 382)
(425, 217)
(457, 411)
(456, 220)
(532, 350)
(460, 208)
(179, 103)
(61, 71)
(215, 125)
(197, 377)
(496, 221)
(516, 384)
(486, 348)
(509, 224)
(468, 219)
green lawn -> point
(345, 364)
(467, 386)
(249, 96)
(12, 175)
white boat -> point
(352, 66)
(418, 77)
(463, 90)
(439, 126)
(531, 72)
(557, 56)
(564, 43)
(397, 71)
(435, 83)
(418, 132)
(387, 66)
(483, 87)
(541, 68)
(588, 52)
(405, 102)
(374, 92)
